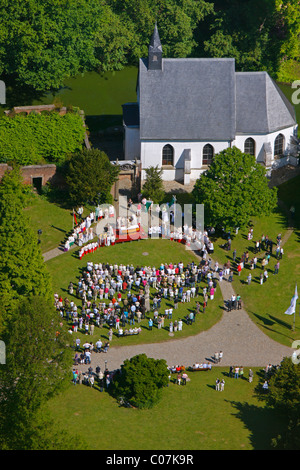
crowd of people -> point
(120, 296)
(266, 245)
(83, 232)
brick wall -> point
(45, 172)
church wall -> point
(151, 152)
(132, 146)
(261, 139)
(151, 155)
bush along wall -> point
(40, 138)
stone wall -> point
(45, 172)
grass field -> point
(191, 417)
(54, 221)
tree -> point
(176, 19)
(90, 176)
(233, 190)
(284, 396)
(22, 268)
(43, 42)
(141, 380)
(284, 388)
(153, 186)
(288, 26)
(38, 362)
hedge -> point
(40, 138)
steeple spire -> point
(155, 51)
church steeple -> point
(155, 51)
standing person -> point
(239, 269)
(250, 375)
(110, 334)
(222, 384)
(91, 380)
(150, 323)
(234, 255)
(241, 372)
(220, 356)
(217, 385)
(184, 377)
(236, 372)
(216, 357)
(75, 376)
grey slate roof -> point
(155, 44)
(190, 99)
(205, 99)
(261, 107)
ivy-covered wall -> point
(40, 138)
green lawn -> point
(54, 221)
(191, 417)
(67, 267)
(267, 303)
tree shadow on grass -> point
(267, 323)
(264, 424)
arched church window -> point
(168, 155)
(208, 154)
(279, 145)
(249, 146)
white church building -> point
(188, 110)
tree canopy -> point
(153, 186)
(141, 380)
(38, 362)
(44, 42)
(284, 397)
(22, 268)
(90, 176)
(233, 190)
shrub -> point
(141, 381)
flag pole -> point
(294, 321)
